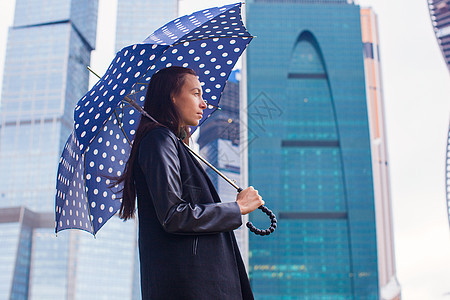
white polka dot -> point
(93, 202)
(100, 219)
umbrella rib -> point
(121, 127)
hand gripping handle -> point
(273, 221)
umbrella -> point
(209, 41)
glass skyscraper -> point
(45, 74)
(137, 19)
(309, 152)
(219, 142)
(387, 277)
(440, 19)
(49, 47)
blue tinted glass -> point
(309, 152)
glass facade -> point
(108, 261)
(387, 278)
(309, 152)
(137, 19)
(219, 144)
(45, 74)
(9, 234)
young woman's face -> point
(189, 102)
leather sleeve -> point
(158, 159)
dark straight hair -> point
(164, 85)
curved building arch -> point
(309, 153)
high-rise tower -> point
(45, 74)
(219, 142)
(387, 279)
(309, 151)
(137, 19)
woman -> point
(186, 242)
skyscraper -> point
(48, 49)
(387, 279)
(440, 19)
(309, 151)
(219, 144)
(137, 19)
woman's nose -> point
(203, 104)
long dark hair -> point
(164, 84)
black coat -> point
(187, 246)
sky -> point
(417, 108)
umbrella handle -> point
(273, 221)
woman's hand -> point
(249, 200)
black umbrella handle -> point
(273, 221)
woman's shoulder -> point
(159, 136)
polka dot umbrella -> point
(209, 41)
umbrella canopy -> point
(209, 42)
